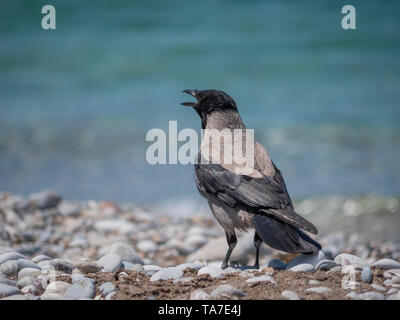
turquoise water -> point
(76, 102)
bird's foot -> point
(234, 264)
(224, 265)
(256, 266)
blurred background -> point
(76, 102)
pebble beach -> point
(51, 249)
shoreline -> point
(53, 249)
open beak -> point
(193, 93)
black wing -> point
(266, 195)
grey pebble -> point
(25, 281)
(395, 296)
(40, 258)
(166, 274)
(110, 262)
(132, 267)
(326, 265)
(263, 278)
(304, 267)
(62, 265)
(81, 289)
(107, 288)
(366, 275)
(371, 295)
(126, 253)
(277, 264)
(291, 295)
(10, 268)
(183, 280)
(89, 267)
(378, 287)
(7, 290)
(226, 291)
(4, 280)
(15, 297)
(110, 295)
(24, 263)
(319, 290)
(387, 264)
(28, 272)
(45, 199)
(350, 259)
(10, 256)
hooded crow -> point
(242, 199)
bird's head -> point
(209, 101)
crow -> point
(242, 199)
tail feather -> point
(284, 237)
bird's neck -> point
(222, 119)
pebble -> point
(349, 259)
(395, 296)
(371, 295)
(107, 288)
(110, 262)
(62, 265)
(15, 297)
(387, 264)
(212, 271)
(24, 263)
(51, 296)
(319, 290)
(146, 246)
(389, 274)
(10, 256)
(10, 268)
(393, 291)
(132, 267)
(57, 287)
(366, 275)
(29, 272)
(291, 295)
(191, 265)
(4, 280)
(25, 281)
(125, 252)
(7, 290)
(166, 274)
(264, 278)
(335, 269)
(226, 291)
(81, 289)
(45, 199)
(40, 258)
(277, 264)
(110, 295)
(326, 265)
(313, 282)
(304, 267)
(311, 259)
(351, 294)
(378, 287)
(199, 295)
(89, 266)
(183, 280)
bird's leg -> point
(257, 243)
(231, 239)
